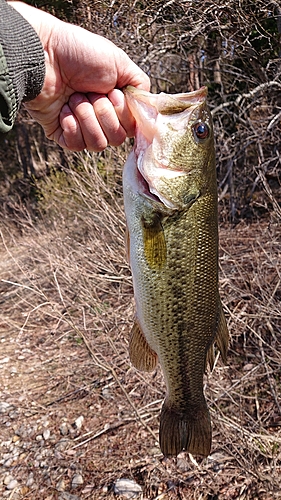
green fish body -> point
(170, 199)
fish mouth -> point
(147, 190)
(152, 194)
(148, 113)
(144, 188)
(164, 103)
(146, 108)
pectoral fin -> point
(154, 243)
(141, 354)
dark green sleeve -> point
(22, 65)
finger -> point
(93, 134)
(130, 74)
(69, 135)
(107, 118)
(122, 111)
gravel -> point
(32, 455)
(38, 453)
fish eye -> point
(201, 130)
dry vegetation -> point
(66, 291)
(66, 314)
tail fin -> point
(189, 432)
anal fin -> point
(221, 339)
(210, 358)
(141, 355)
(222, 335)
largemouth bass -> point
(170, 198)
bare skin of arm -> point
(81, 104)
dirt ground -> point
(76, 417)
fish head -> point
(174, 145)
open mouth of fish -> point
(154, 114)
(144, 186)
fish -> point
(170, 203)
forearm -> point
(22, 66)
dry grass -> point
(66, 312)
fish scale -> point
(173, 252)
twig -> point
(248, 95)
(272, 389)
(107, 428)
(104, 366)
(256, 90)
(107, 368)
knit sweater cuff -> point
(22, 64)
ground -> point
(76, 417)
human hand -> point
(81, 104)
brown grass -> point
(66, 313)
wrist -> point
(42, 22)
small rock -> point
(7, 479)
(24, 490)
(64, 429)
(248, 367)
(8, 493)
(216, 467)
(46, 434)
(77, 481)
(127, 488)
(8, 462)
(182, 464)
(6, 444)
(22, 431)
(12, 484)
(79, 422)
(154, 451)
(15, 438)
(5, 407)
(62, 444)
(58, 455)
(106, 393)
(13, 414)
(60, 486)
(67, 496)
(30, 480)
(4, 360)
